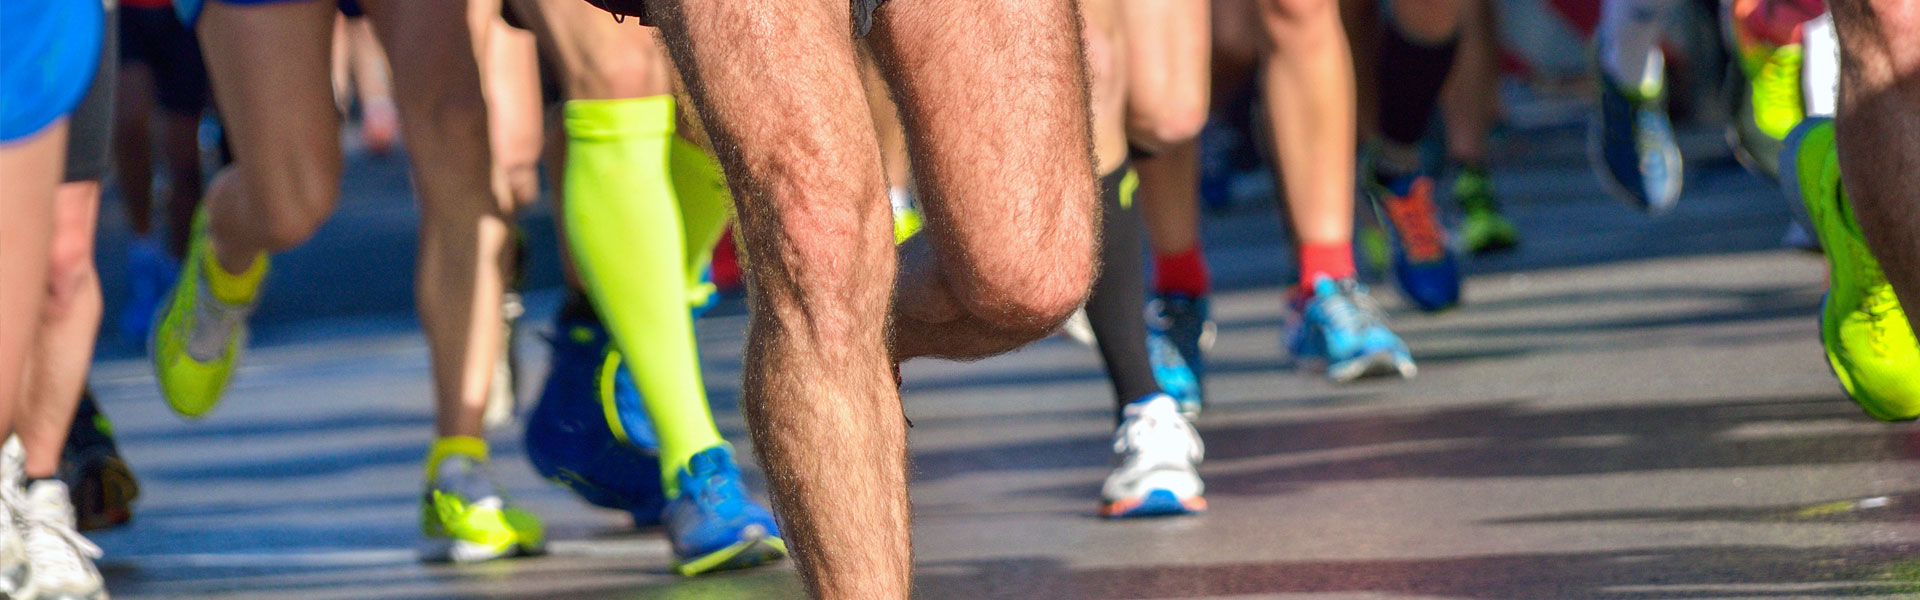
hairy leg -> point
(1878, 131)
(69, 318)
(779, 90)
(463, 227)
(993, 95)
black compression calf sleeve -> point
(1411, 75)
(1117, 307)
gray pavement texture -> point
(1625, 407)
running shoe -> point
(16, 569)
(713, 525)
(1483, 230)
(907, 218)
(1340, 329)
(102, 484)
(61, 559)
(1869, 341)
(1078, 329)
(1187, 323)
(1765, 36)
(149, 273)
(197, 338)
(1173, 374)
(1158, 455)
(1423, 260)
(464, 516)
(1631, 143)
(571, 433)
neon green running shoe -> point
(1868, 339)
(197, 338)
(464, 517)
(1483, 230)
(907, 219)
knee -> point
(1029, 287)
(1166, 121)
(1299, 23)
(302, 198)
(70, 274)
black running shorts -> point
(155, 37)
(90, 126)
(862, 12)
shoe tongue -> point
(1153, 403)
(1325, 287)
(708, 461)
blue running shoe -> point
(1187, 323)
(571, 439)
(150, 274)
(1340, 329)
(713, 525)
(1423, 261)
(1630, 143)
(1173, 374)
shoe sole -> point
(1378, 363)
(745, 554)
(104, 496)
(1157, 503)
(462, 552)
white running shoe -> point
(15, 569)
(1159, 455)
(62, 559)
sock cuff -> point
(455, 445)
(1334, 260)
(591, 119)
(234, 288)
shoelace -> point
(213, 323)
(1149, 432)
(70, 552)
(1879, 302)
(1413, 218)
(1776, 96)
(1351, 311)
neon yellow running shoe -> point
(1869, 341)
(464, 518)
(1483, 230)
(197, 337)
(906, 214)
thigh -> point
(994, 96)
(599, 58)
(268, 64)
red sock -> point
(1183, 272)
(1333, 260)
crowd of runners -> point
(948, 179)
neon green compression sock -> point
(705, 204)
(623, 226)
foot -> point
(15, 568)
(1158, 455)
(61, 560)
(197, 338)
(1767, 95)
(1340, 329)
(1869, 341)
(570, 439)
(1631, 142)
(102, 484)
(1423, 261)
(150, 272)
(1483, 230)
(463, 515)
(713, 524)
(1186, 322)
